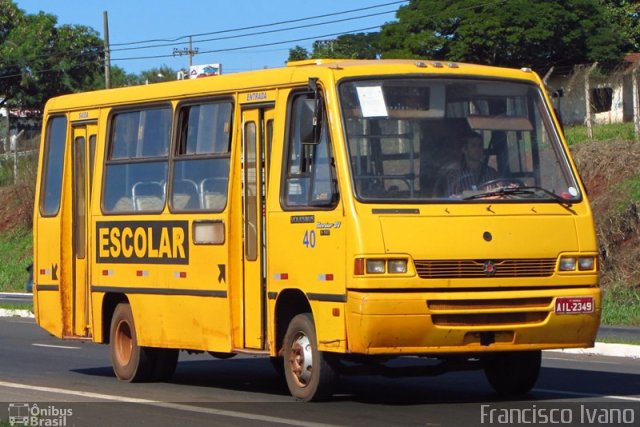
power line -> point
(23, 62)
(257, 33)
(257, 26)
(253, 46)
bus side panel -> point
(47, 230)
(46, 275)
(310, 256)
(197, 315)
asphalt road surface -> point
(44, 381)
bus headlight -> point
(567, 263)
(397, 266)
(586, 263)
(389, 266)
(375, 266)
(577, 263)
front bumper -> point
(425, 323)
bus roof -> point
(296, 72)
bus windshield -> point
(416, 140)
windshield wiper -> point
(514, 191)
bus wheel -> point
(309, 375)
(130, 361)
(513, 373)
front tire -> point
(309, 375)
(513, 373)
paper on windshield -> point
(372, 101)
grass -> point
(16, 307)
(631, 188)
(621, 305)
(578, 134)
(15, 255)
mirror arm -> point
(317, 112)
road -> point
(72, 382)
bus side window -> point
(53, 166)
(310, 176)
(201, 160)
(136, 169)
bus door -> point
(257, 125)
(84, 139)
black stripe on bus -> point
(327, 297)
(395, 211)
(161, 291)
(47, 287)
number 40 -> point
(309, 239)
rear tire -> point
(130, 362)
(309, 375)
(513, 373)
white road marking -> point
(176, 406)
(566, 359)
(573, 393)
(67, 347)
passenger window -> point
(53, 166)
(201, 163)
(136, 169)
(310, 174)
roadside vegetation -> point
(609, 166)
(15, 256)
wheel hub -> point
(301, 360)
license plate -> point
(574, 305)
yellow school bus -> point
(330, 214)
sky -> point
(224, 33)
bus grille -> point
(491, 319)
(489, 312)
(466, 268)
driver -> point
(473, 170)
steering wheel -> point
(508, 182)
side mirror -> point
(307, 119)
(311, 115)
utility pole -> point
(636, 101)
(587, 99)
(107, 54)
(186, 51)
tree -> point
(298, 53)
(120, 78)
(516, 33)
(156, 75)
(39, 60)
(347, 46)
(627, 14)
